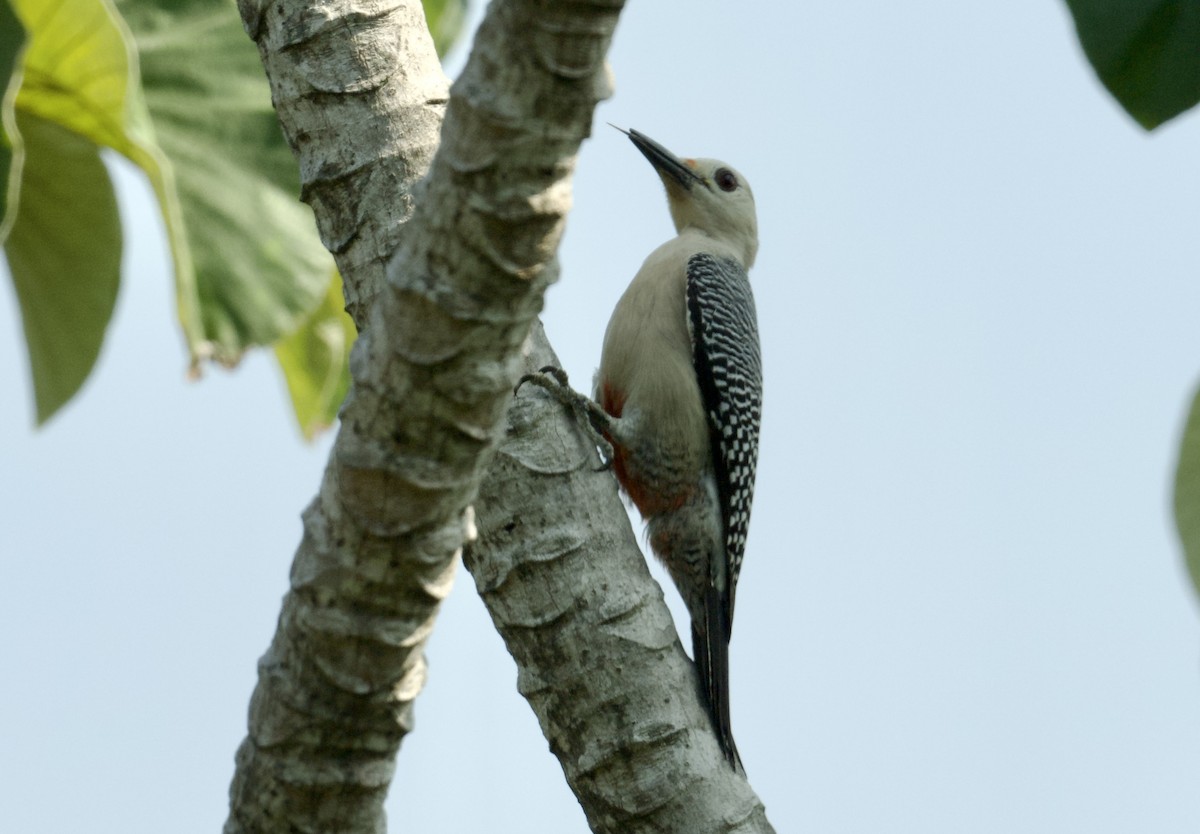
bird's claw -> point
(539, 378)
(554, 381)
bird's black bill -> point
(663, 160)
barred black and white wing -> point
(728, 363)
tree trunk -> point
(361, 96)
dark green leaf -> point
(64, 252)
(1147, 53)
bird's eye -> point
(726, 180)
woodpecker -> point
(678, 401)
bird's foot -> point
(549, 377)
(591, 418)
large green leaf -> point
(61, 233)
(1187, 492)
(177, 87)
(259, 266)
(12, 38)
(1147, 53)
(314, 361)
(64, 252)
(248, 265)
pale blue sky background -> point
(963, 607)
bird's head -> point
(707, 195)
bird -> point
(677, 402)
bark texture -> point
(361, 96)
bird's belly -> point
(665, 452)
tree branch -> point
(357, 89)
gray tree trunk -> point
(444, 332)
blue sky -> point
(963, 606)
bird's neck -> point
(724, 243)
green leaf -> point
(248, 264)
(12, 38)
(64, 252)
(76, 72)
(177, 87)
(62, 233)
(314, 361)
(1187, 492)
(259, 265)
(1146, 52)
